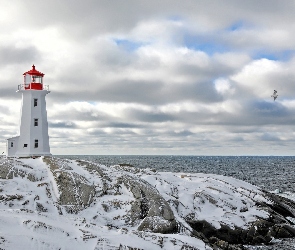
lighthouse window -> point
(36, 143)
(35, 122)
(25, 145)
(35, 102)
(11, 144)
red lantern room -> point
(33, 79)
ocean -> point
(268, 172)
(271, 173)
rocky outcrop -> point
(149, 211)
(226, 212)
(262, 231)
(149, 206)
(155, 210)
(75, 191)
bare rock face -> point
(150, 206)
(11, 168)
(76, 193)
(262, 231)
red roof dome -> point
(34, 72)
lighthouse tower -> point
(33, 139)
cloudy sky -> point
(188, 77)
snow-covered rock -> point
(52, 203)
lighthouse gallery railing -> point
(29, 86)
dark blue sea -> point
(272, 173)
(268, 172)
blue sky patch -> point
(205, 44)
(128, 44)
(283, 55)
(236, 26)
(175, 18)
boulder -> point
(150, 206)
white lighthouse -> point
(33, 139)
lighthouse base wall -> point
(33, 155)
(13, 149)
(12, 145)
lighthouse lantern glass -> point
(33, 79)
(27, 79)
(37, 79)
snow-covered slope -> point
(51, 203)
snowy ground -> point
(34, 212)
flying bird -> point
(275, 95)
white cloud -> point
(260, 77)
(153, 77)
(232, 60)
(223, 86)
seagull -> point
(275, 95)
